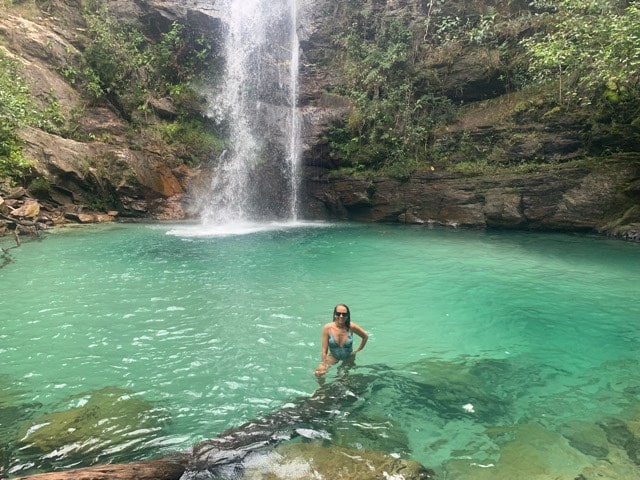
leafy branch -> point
(588, 47)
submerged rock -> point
(587, 437)
(108, 418)
(304, 461)
(526, 451)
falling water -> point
(255, 177)
(294, 134)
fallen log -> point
(159, 469)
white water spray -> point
(256, 177)
(294, 134)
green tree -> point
(588, 47)
(393, 115)
(130, 67)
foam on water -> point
(240, 228)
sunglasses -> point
(342, 314)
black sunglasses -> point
(342, 314)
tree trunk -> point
(161, 469)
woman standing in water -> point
(337, 339)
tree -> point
(588, 47)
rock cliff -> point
(540, 168)
(106, 170)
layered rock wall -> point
(568, 199)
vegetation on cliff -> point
(16, 110)
(120, 65)
(469, 87)
(564, 62)
(392, 62)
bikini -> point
(341, 352)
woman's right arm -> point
(325, 343)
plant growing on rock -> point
(394, 114)
(17, 110)
(587, 48)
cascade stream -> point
(256, 176)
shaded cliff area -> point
(479, 143)
(413, 111)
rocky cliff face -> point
(559, 190)
(568, 199)
(140, 176)
(111, 165)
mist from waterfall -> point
(255, 178)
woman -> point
(337, 339)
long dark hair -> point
(347, 322)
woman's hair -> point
(347, 322)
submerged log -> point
(160, 469)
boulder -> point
(311, 460)
(89, 217)
(30, 209)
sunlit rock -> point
(89, 217)
(305, 461)
(30, 209)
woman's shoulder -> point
(356, 328)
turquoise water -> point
(536, 333)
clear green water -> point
(538, 332)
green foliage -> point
(39, 186)
(177, 62)
(116, 54)
(128, 67)
(192, 139)
(393, 115)
(589, 47)
(51, 118)
(17, 110)
(480, 30)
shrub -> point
(587, 48)
(17, 110)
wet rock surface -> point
(568, 199)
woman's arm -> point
(355, 328)
(325, 342)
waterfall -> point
(294, 132)
(255, 178)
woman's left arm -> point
(355, 328)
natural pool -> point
(195, 334)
